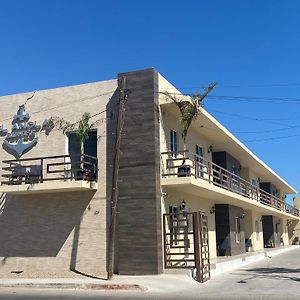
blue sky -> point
(251, 48)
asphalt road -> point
(272, 278)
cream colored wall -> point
(248, 224)
(283, 227)
(251, 232)
(47, 234)
(193, 204)
(170, 121)
(296, 225)
(257, 233)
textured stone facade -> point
(49, 234)
(139, 211)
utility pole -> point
(115, 191)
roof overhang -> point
(223, 140)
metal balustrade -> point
(49, 168)
(185, 163)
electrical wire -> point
(220, 85)
(271, 138)
(63, 105)
(270, 121)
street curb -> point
(90, 286)
(123, 287)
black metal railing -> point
(40, 169)
(186, 163)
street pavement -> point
(272, 278)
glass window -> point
(173, 139)
(199, 159)
(89, 148)
(238, 230)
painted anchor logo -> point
(22, 137)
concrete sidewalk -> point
(224, 264)
(155, 283)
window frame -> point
(237, 225)
(199, 159)
(173, 143)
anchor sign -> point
(23, 134)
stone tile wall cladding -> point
(271, 236)
(48, 234)
(139, 219)
(225, 230)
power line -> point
(256, 98)
(251, 99)
(253, 132)
(271, 138)
(220, 85)
(63, 105)
(264, 120)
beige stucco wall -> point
(47, 234)
(295, 226)
(193, 204)
(169, 119)
(283, 227)
(253, 228)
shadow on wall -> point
(38, 226)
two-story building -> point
(177, 207)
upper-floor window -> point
(199, 159)
(89, 148)
(173, 142)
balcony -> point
(49, 174)
(185, 164)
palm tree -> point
(189, 109)
(80, 128)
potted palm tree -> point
(81, 129)
(189, 110)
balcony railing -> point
(185, 163)
(41, 169)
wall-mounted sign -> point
(23, 134)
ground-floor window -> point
(237, 230)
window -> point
(234, 169)
(173, 138)
(237, 229)
(89, 148)
(199, 159)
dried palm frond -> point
(80, 128)
(189, 109)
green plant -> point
(80, 128)
(189, 108)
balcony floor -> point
(49, 187)
(203, 189)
